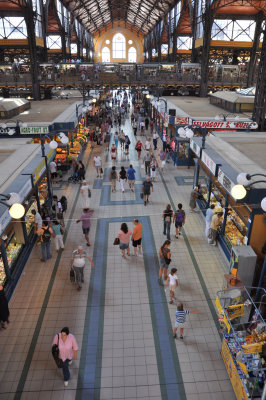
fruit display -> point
(2, 272)
(12, 252)
(43, 191)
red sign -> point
(181, 121)
(225, 124)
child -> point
(173, 283)
(181, 319)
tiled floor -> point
(121, 318)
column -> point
(254, 50)
(260, 97)
(207, 24)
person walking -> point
(127, 144)
(46, 233)
(98, 165)
(107, 140)
(137, 236)
(179, 219)
(113, 152)
(193, 198)
(131, 177)
(122, 178)
(208, 219)
(135, 127)
(81, 170)
(77, 263)
(58, 236)
(4, 310)
(113, 178)
(164, 142)
(148, 145)
(124, 236)
(153, 168)
(116, 138)
(37, 220)
(85, 195)
(147, 161)
(167, 219)
(86, 223)
(146, 188)
(155, 137)
(172, 279)
(138, 147)
(122, 139)
(164, 259)
(180, 321)
(147, 123)
(68, 350)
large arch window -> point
(105, 54)
(132, 55)
(119, 46)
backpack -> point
(180, 216)
(63, 202)
(46, 236)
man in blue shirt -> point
(131, 177)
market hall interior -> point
(174, 92)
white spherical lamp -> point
(17, 211)
(53, 144)
(11, 132)
(181, 132)
(24, 125)
(238, 192)
(217, 117)
(3, 126)
(242, 179)
(189, 133)
(14, 198)
(64, 140)
(94, 100)
(263, 204)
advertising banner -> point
(214, 124)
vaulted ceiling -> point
(141, 15)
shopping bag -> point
(55, 354)
(163, 163)
(141, 195)
(72, 275)
(116, 241)
(142, 166)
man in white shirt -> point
(98, 165)
(37, 220)
(53, 170)
(154, 139)
(208, 219)
(148, 144)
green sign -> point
(35, 130)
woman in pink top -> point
(124, 236)
(68, 349)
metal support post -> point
(196, 173)
(225, 214)
(46, 166)
(260, 284)
(30, 24)
(209, 190)
(260, 96)
(208, 17)
(254, 50)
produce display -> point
(12, 252)
(2, 271)
(43, 191)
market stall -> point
(244, 341)
(241, 220)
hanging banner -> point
(225, 124)
(225, 181)
(34, 130)
(210, 164)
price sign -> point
(225, 181)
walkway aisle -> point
(121, 318)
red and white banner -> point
(181, 121)
(225, 124)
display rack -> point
(244, 341)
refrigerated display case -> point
(2, 270)
(29, 217)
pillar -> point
(260, 97)
(194, 53)
(254, 50)
(29, 20)
(207, 23)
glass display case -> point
(43, 190)
(2, 271)
(236, 225)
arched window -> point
(119, 46)
(132, 55)
(105, 54)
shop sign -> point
(225, 124)
(41, 167)
(25, 190)
(195, 147)
(4, 220)
(210, 164)
(225, 181)
(231, 369)
(34, 130)
(181, 121)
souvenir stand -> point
(244, 341)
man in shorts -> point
(147, 186)
(86, 223)
(131, 177)
(179, 219)
(136, 236)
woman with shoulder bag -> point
(165, 260)
(68, 349)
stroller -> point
(75, 178)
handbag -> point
(55, 354)
(167, 260)
(89, 193)
(101, 171)
(141, 195)
(72, 275)
(116, 241)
